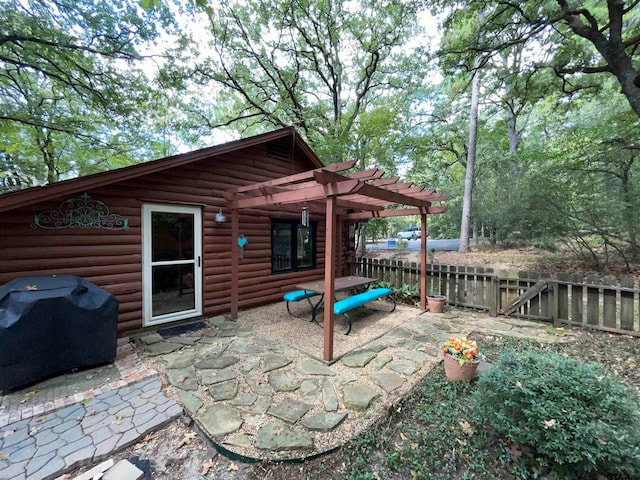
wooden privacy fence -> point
(605, 303)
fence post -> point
(609, 300)
(577, 298)
(493, 295)
(626, 303)
(554, 302)
(562, 295)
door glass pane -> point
(172, 289)
(305, 247)
(172, 236)
(281, 246)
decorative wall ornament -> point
(81, 212)
(242, 241)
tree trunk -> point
(471, 161)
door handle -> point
(198, 261)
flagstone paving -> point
(250, 397)
(271, 401)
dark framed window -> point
(293, 247)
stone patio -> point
(262, 400)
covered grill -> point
(53, 324)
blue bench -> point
(298, 295)
(341, 307)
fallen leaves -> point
(4, 457)
(33, 430)
(186, 440)
(28, 395)
(117, 421)
(206, 466)
(466, 427)
(232, 467)
(515, 451)
(549, 423)
(278, 431)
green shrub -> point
(571, 419)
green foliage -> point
(571, 418)
(402, 247)
(416, 440)
(73, 94)
(567, 38)
(344, 75)
(406, 293)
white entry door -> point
(172, 252)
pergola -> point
(342, 197)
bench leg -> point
(348, 318)
(393, 299)
(314, 308)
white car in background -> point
(411, 233)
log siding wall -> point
(113, 259)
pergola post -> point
(329, 277)
(235, 263)
(423, 261)
(339, 233)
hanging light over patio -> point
(305, 217)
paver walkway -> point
(252, 398)
(80, 419)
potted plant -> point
(461, 358)
(435, 303)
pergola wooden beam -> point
(298, 177)
(358, 216)
(385, 181)
(299, 196)
(371, 174)
(355, 205)
(392, 197)
(396, 187)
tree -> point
(317, 65)
(71, 86)
(471, 161)
(573, 39)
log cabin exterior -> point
(152, 239)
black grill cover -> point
(53, 324)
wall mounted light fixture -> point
(220, 218)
